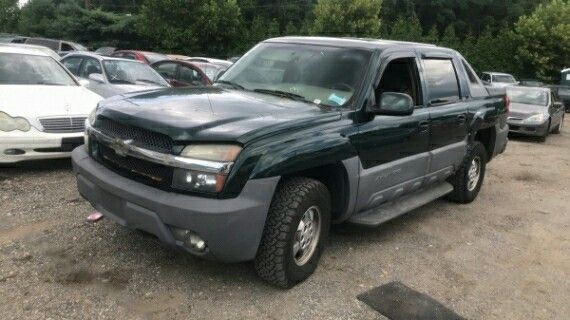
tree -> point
(212, 27)
(407, 29)
(542, 40)
(347, 18)
(450, 39)
(8, 15)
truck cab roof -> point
(363, 43)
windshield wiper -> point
(230, 83)
(284, 94)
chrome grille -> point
(141, 137)
(63, 124)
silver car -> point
(534, 112)
(108, 76)
(498, 79)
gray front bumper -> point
(232, 228)
(519, 127)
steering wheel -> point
(342, 86)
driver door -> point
(393, 150)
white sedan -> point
(42, 107)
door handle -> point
(424, 126)
(461, 119)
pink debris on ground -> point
(95, 216)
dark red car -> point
(144, 56)
(181, 73)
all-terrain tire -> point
(275, 262)
(460, 180)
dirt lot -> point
(506, 256)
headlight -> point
(8, 123)
(537, 118)
(212, 164)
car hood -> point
(523, 111)
(213, 114)
(32, 102)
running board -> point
(376, 216)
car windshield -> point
(528, 96)
(25, 69)
(322, 75)
(132, 72)
(155, 57)
(504, 79)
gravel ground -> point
(505, 256)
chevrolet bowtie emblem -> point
(121, 147)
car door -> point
(556, 110)
(448, 112)
(393, 150)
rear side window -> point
(72, 64)
(475, 86)
(442, 83)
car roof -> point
(21, 50)
(565, 70)
(366, 43)
(43, 49)
(98, 57)
(498, 73)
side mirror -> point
(558, 104)
(393, 104)
(83, 82)
(97, 77)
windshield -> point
(132, 72)
(323, 75)
(24, 69)
(504, 79)
(528, 96)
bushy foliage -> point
(347, 18)
(8, 15)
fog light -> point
(14, 152)
(190, 240)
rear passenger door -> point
(448, 111)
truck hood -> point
(523, 111)
(36, 101)
(213, 114)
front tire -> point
(295, 232)
(559, 127)
(467, 181)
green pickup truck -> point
(300, 133)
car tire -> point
(468, 179)
(559, 127)
(546, 133)
(286, 256)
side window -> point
(167, 70)
(72, 64)
(190, 76)
(442, 82)
(401, 76)
(475, 86)
(89, 66)
(66, 47)
(129, 56)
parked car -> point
(496, 79)
(42, 106)
(45, 50)
(535, 112)
(105, 51)
(178, 57)
(108, 76)
(564, 88)
(213, 71)
(143, 56)
(60, 46)
(220, 62)
(531, 83)
(181, 73)
(300, 133)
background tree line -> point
(530, 38)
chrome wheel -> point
(474, 174)
(307, 236)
